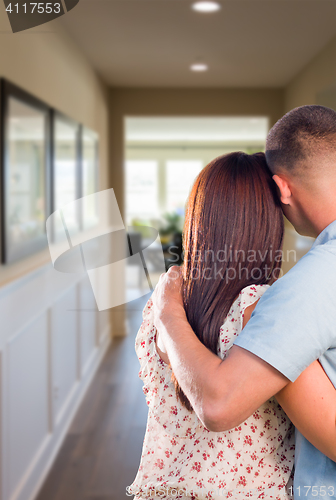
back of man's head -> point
(303, 142)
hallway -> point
(101, 451)
(132, 98)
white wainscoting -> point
(52, 339)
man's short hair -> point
(300, 135)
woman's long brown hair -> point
(233, 235)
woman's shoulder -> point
(246, 297)
(233, 323)
(251, 294)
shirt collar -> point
(328, 233)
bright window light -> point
(206, 6)
(199, 67)
(180, 177)
(141, 189)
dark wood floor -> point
(101, 453)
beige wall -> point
(319, 74)
(46, 62)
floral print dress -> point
(182, 459)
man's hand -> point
(167, 296)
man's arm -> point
(310, 403)
(223, 393)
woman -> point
(232, 240)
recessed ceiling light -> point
(199, 67)
(206, 6)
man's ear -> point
(284, 189)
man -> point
(294, 322)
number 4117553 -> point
(40, 8)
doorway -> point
(163, 156)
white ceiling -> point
(206, 129)
(249, 43)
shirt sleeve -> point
(294, 322)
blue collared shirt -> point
(294, 324)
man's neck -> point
(319, 210)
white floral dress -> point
(182, 459)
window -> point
(142, 189)
(180, 175)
